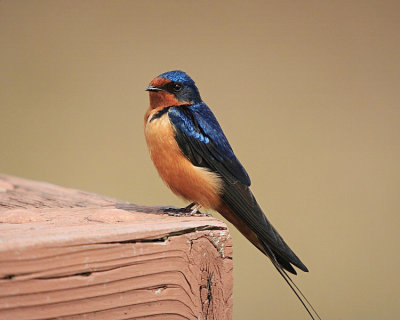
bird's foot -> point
(188, 211)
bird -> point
(194, 158)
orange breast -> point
(186, 180)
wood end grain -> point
(70, 254)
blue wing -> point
(203, 142)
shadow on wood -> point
(65, 253)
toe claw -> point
(185, 212)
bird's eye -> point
(177, 87)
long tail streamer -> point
(302, 298)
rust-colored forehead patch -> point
(159, 82)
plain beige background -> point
(306, 91)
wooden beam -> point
(70, 254)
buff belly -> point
(192, 183)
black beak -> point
(152, 88)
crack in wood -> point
(83, 255)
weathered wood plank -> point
(65, 253)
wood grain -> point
(69, 254)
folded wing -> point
(203, 142)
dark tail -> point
(302, 298)
(245, 211)
(241, 208)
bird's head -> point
(172, 88)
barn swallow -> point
(194, 158)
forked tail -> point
(302, 298)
